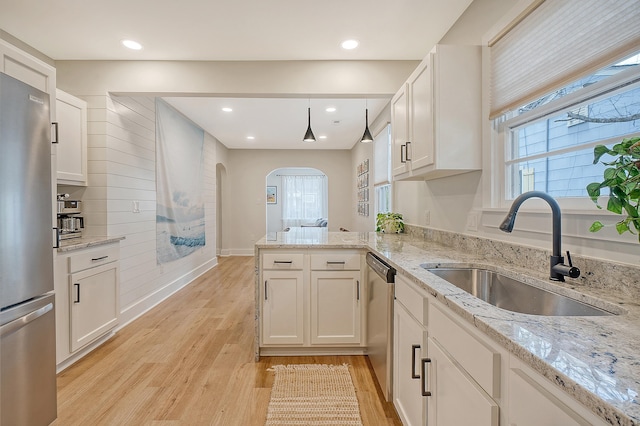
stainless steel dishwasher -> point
(380, 283)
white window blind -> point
(381, 156)
(556, 43)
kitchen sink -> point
(514, 295)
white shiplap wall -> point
(122, 170)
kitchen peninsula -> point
(586, 367)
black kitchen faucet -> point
(557, 269)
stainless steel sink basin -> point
(513, 295)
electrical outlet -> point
(135, 206)
(472, 221)
(427, 217)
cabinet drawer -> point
(336, 261)
(412, 298)
(93, 257)
(283, 261)
(480, 360)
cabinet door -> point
(27, 68)
(282, 307)
(335, 307)
(532, 405)
(94, 304)
(71, 115)
(421, 148)
(408, 349)
(456, 399)
(399, 131)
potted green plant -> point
(622, 178)
(389, 223)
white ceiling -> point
(243, 30)
(278, 123)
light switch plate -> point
(472, 221)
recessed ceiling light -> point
(331, 109)
(349, 44)
(322, 137)
(251, 137)
(227, 109)
(133, 45)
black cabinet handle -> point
(330, 262)
(424, 377)
(288, 262)
(77, 286)
(413, 361)
(406, 151)
(358, 290)
(403, 148)
(265, 290)
(95, 259)
(55, 132)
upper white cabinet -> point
(28, 69)
(71, 116)
(436, 116)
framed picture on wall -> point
(272, 195)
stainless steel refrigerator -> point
(27, 320)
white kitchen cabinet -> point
(71, 116)
(29, 69)
(400, 131)
(282, 307)
(534, 402)
(311, 302)
(409, 348)
(87, 298)
(436, 118)
(456, 398)
(94, 303)
(335, 307)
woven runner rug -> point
(313, 394)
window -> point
(383, 198)
(304, 199)
(382, 170)
(549, 142)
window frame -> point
(503, 126)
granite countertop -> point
(86, 242)
(596, 360)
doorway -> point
(296, 197)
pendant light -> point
(366, 137)
(309, 137)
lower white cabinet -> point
(408, 350)
(533, 402)
(282, 307)
(335, 307)
(455, 397)
(310, 302)
(94, 303)
(87, 290)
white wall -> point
(247, 172)
(121, 153)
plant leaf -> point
(598, 152)
(593, 189)
(622, 227)
(614, 205)
(596, 226)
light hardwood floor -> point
(190, 361)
